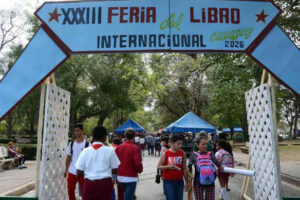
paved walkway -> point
(147, 189)
(291, 168)
(13, 178)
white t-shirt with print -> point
(77, 148)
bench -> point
(245, 149)
(23, 140)
(5, 161)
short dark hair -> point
(116, 140)
(99, 132)
(222, 136)
(176, 137)
(223, 144)
(129, 133)
(165, 139)
(78, 125)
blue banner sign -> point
(218, 25)
(38, 60)
(108, 25)
(198, 25)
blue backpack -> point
(206, 169)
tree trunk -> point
(245, 128)
(101, 120)
(32, 131)
(231, 133)
(295, 122)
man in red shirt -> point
(131, 164)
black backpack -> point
(85, 146)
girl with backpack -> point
(173, 164)
(205, 172)
(226, 159)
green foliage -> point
(177, 86)
(33, 22)
(29, 150)
(289, 19)
(228, 80)
(89, 124)
(2, 128)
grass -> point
(286, 153)
(289, 153)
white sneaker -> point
(220, 196)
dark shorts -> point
(94, 189)
(222, 174)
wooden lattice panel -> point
(262, 143)
(55, 140)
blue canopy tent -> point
(130, 124)
(236, 129)
(190, 123)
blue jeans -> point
(173, 189)
(129, 190)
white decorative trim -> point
(262, 143)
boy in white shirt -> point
(73, 151)
(99, 165)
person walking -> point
(131, 164)
(157, 145)
(99, 164)
(148, 143)
(173, 164)
(164, 144)
(152, 144)
(205, 173)
(228, 148)
(73, 151)
(142, 144)
(226, 159)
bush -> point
(29, 150)
(6, 141)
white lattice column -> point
(55, 141)
(263, 143)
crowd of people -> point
(100, 167)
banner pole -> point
(275, 146)
(39, 141)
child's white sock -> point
(224, 194)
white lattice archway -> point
(55, 140)
(263, 143)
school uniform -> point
(97, 163)
(74, 149)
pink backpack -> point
(226, 158)
(206, 169)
